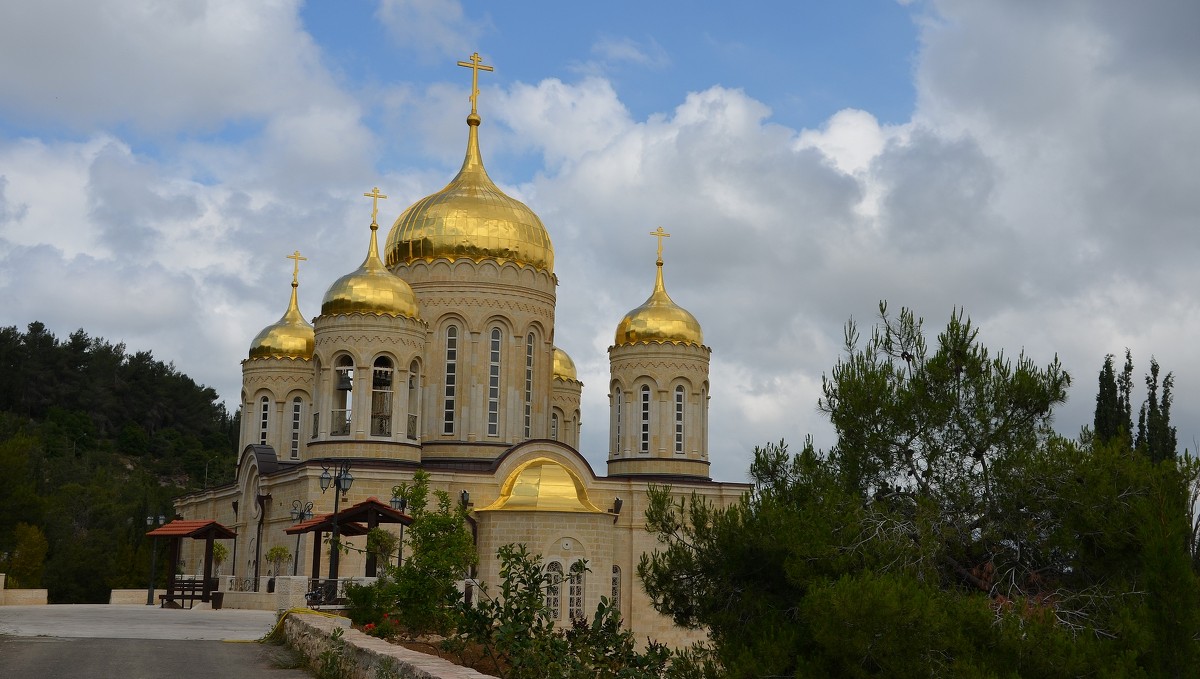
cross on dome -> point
(660, 234)
(375, 195)
(476, 65)
(295, 256)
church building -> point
(438, 354)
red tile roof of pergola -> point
(351, 518)
(192, 528)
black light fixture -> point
(616, 510)
(399, 503)
(465, 498)
(341, 480)
(326, 480)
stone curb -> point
(367, 657)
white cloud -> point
(431, 27)
(158, 66)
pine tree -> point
(1107, 421)
(1155, 435)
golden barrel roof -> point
(289, 337)
(370, 289)
(545, 485)
(470, 218)
(659, 320)
(564, 367)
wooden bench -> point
(181, 592)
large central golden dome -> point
(471, 218)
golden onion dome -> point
(289, 337)
(470, 218)
(370, 289)
(564, 367)
(659, 320)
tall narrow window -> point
(554, 426)
(297, 412)
(554, 571)
(381, 397)
(264, 420)
(343, 397)
(494, 384)
(529, 385)
(644, 444)
(451, 375)
(679, 400)
(616, 588)
(575, 594)
(619, 405)
(414, 399)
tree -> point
(948, 532)
(24, 565)
(1155, 435)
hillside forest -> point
(93, 440)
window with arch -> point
(343, 397)
(554, 426)
(529, 385)
(264, 420)
(616, 588)
(618, 406)
(382, 374)
(644, 443)
(414, 399)
(704, 422)
(494, 383)
(679, 403)
(297, 413)
(575, 418)
(575, 593)
(451, 379)
(554, 573)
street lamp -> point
(300, 512)
(150, 523)
(341, 480)
(400, 504)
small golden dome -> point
(564, 367)
(659, 320)
(371, 289)
(471, 218)
(290, 336)
(543, 484)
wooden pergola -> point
(354, 520)
(196, 529)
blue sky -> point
(1033, 163)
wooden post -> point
(208, 564)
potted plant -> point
(220, 553)
(277, 556)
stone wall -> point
(363, 656)
(21, 597)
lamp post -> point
(150, 523)
(206, 469)
(341, 480)
(300, 512)
(400, 504)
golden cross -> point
(296, 267)
(660, 234)
(374, 195)
(476, 65)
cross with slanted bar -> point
(660, 234)
(476, 65)
(374, 195)
(296, 267)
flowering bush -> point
(384, 629)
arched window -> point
(381, 397)
(264, 420)
(494, 384)
(451, 375)
(297, 412)
(343, 397)
(619, 406)
(644, 444)
(704, 422)
(529, 385)
(414, 399)
(616, 588)
(554, 426)
(679, 393)
(554, 577)
(575, 593)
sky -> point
(1032, 163)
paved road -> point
(139, 642)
